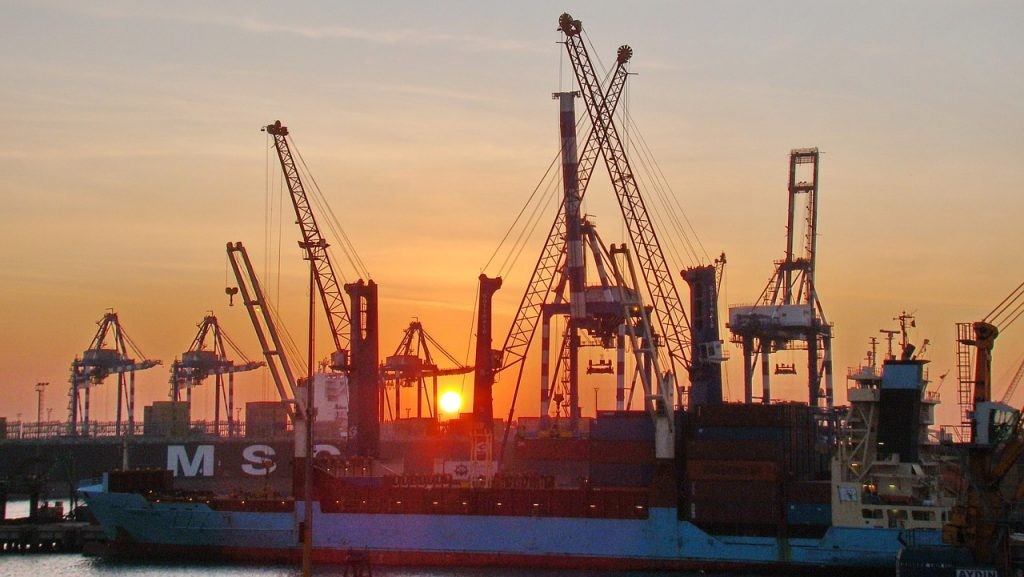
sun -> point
(451, 402)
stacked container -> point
(622, 449)
(740, 460)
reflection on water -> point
(44, 565)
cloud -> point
(202, 15)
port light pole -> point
(310, 417)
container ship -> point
(743, 494)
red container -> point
(715, 450)
(552, 449)
(732, 470)
(817, 492)
(734, 491)
(784, 415)
(752, 513)
(634, 452)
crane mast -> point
(331, 294)
(669, 312)
(553, 256)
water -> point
(44, 565)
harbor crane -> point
(981, 521)
(788, 314)
(315, 246)
(353, 326)
(110, 352)
(206, 357)
(412, 364)
(549, 278)
(650, 314)
(269, 338)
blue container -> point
(808, 514)
(622, 426)
(740, 434)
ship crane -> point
(981, 521)
(207, 357)
(613, 307)
(788, 314)
(315, 247)
(97, 363)
(353, 326)
(412, 364)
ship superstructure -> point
(884, 473)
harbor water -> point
(29, 565)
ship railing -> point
(33, 430)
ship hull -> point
(138, 527)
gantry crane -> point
(207, 356)
(981, 520)
(97, 363)
(788, 313)
(412, 364)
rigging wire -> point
(523, 210)
(469, 340)
(540, 209)
(347, 247)
(669, 198)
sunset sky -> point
(131, 154)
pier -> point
(64, 537)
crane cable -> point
(663, 191)
(330, 218)
(1002, 316)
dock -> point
(61, 537)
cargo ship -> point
(743, 494)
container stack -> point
(622, 449)
(740, 459)
(567, 460)
(266, 419)
(166, 419)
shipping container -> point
(621, 475)
(552, 449)
(808, 514)
(622, 426)
(566, 473)
(732, 470)
(734, 491)
(740, 434)
(719, 450)
(808, 492)
(784, 415)
(746, 513)
(621, 451)
(166, 419)
(266, 419)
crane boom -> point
(263, 322)
(331, 294)
(552, 257)
(670, 315)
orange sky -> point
(132, 154)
